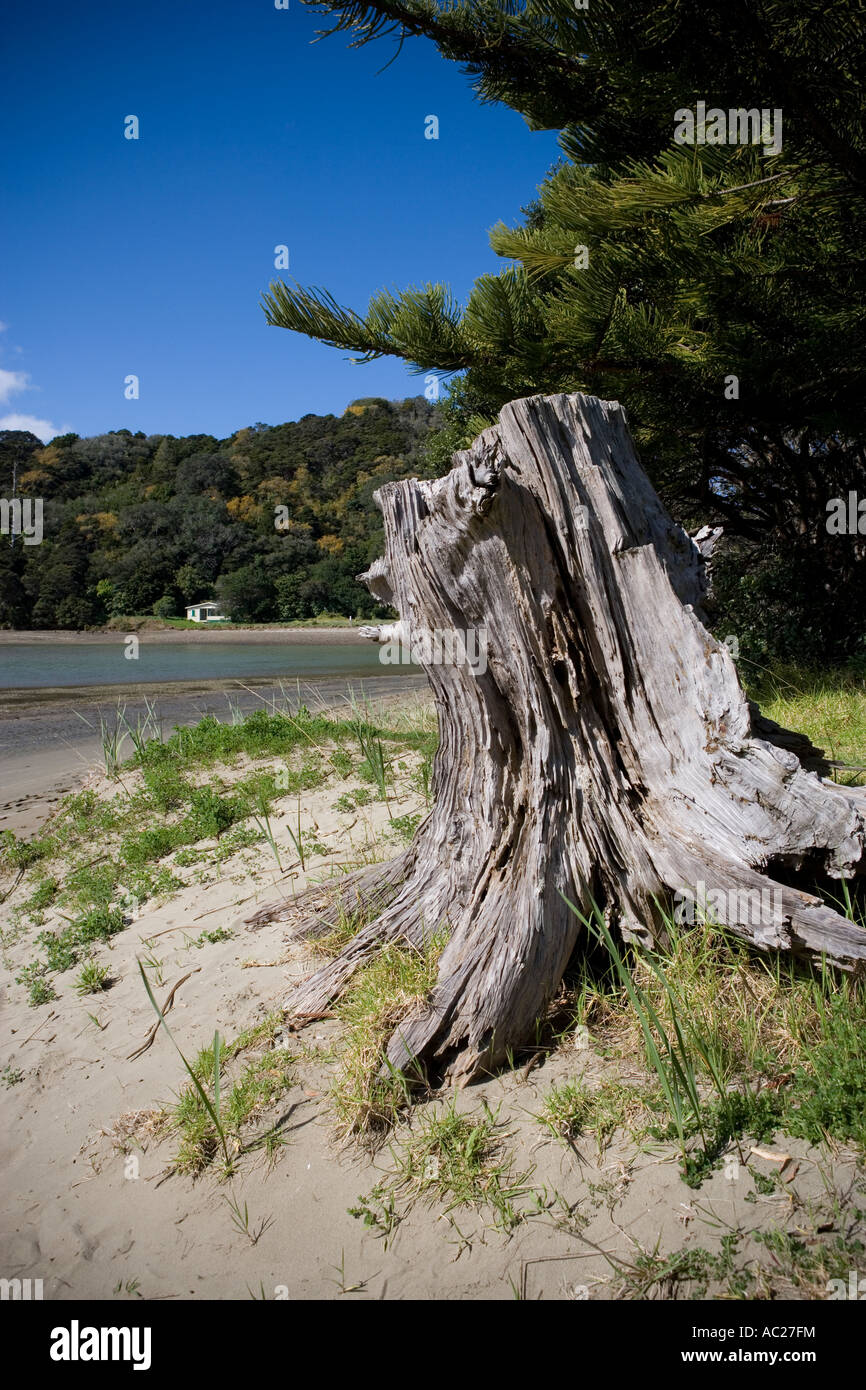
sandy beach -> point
(110, 1196)
(50, 739)
(101, 1202)
(50, 735)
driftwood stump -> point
(607, 753)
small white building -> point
(206, 613)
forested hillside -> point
(142, 524)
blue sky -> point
(149, 257)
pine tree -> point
(714, 289)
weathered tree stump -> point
(606, 753)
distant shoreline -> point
(298, 636)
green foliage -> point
(828, 1091)
(572, 1109)
(141, 525)
(22, 854)
(32, 977)
(41, 898)
(207, 1122)
(829, 707)
(706, 265)
(785, 602)
(63, 949)
(739, 1046)
(405, 826)
(368, 1093)
(92, 978)
(456, 1159)
(208, 1063)
(210, 938)
(157, 812)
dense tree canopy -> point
(716, 289)
(135, 524)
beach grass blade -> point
(211, 1110)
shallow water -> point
(26, 666)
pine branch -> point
(422, 326)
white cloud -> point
(12, 382)
(3, 327)
(43, 429)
